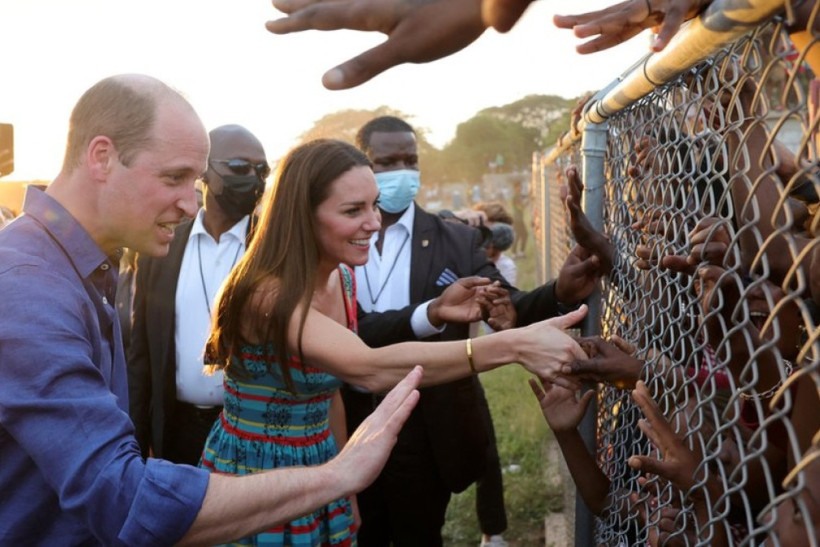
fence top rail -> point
(720, 24)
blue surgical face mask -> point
(397, 189)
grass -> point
(522, 437)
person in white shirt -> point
(173, 403)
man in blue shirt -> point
(71, 469)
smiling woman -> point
(285, 322)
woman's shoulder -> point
(258, 307)
(264, 294)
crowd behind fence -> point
(708, 194)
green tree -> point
(511, 133)
(487, 142)
(547, 114)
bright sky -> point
(219, 54)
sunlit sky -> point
(218, 53)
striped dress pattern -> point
(264, 426)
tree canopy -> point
(498, 139)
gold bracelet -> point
(470, 355)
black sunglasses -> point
(243, 167)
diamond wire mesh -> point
(720, 167)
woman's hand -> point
(544, 348)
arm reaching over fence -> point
(620, 22)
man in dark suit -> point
(442, 448)
(172, 402)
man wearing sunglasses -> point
(172, 403)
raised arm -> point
(541, 347)
(237, 506)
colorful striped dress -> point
(264, 426)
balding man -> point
(173, 403)
(71, 471)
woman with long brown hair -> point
(284, 331)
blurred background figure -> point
(520, 201)
(501, 240)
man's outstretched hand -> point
(366, 451)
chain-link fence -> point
(708, 193)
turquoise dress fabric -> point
(264, 426)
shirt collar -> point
(83, 252)
(405, 220)
(238, 230)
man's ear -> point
(100, 156)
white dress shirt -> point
(383, 283)
(205, 266)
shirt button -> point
(105, 301)
(104, 267)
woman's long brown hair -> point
(283, 250)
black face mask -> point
(239, 196)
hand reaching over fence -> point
(620, 22)
(418, 31)
(713, 188)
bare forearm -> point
(236, 507)
(442, 361)
(592, 484)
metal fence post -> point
(593, 151)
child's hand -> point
(560, 406)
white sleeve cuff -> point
(421, 326)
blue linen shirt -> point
(70, 469)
